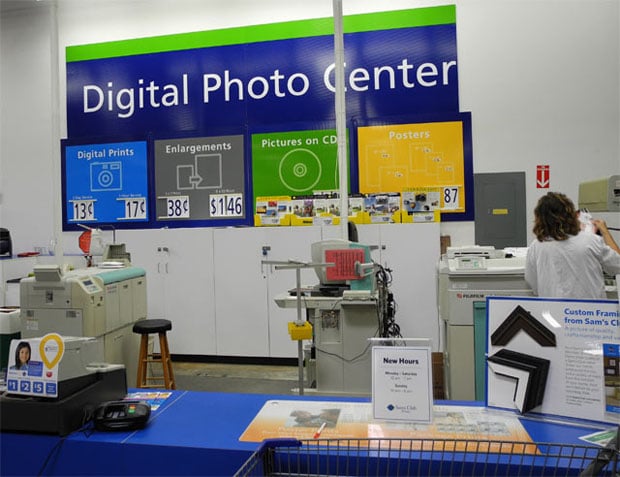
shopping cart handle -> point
(280, 442)
(606, 455)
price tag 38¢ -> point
(177, 207)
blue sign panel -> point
(105, 183)
(399, 65)
(387, 73)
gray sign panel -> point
(200, 178)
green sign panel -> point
(295, 163)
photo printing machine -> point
(93, 311)
(103, 302)
(467, 275)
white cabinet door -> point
(240, 292)
(249, 322)
(142, 246)
(412, 252)
(188, 267)
(292, 243)
(180, 283)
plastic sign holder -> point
(402, 384)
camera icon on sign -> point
(106, 176)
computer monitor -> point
(318, 251)
(347, 257)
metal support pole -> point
(341, 124)
(300, 347)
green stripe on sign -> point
(444, 15)
(252, 34)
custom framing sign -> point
(555, 357)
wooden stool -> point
(145, 328)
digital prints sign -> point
(105, 183)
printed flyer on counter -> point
(332, 420)
(566, 346)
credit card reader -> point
(121, 415)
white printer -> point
(102, 302)
(467, 275)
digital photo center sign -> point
(396, 62)
(200, 179)
(105, 183)
(261, 78)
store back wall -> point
(540, 78)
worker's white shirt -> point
(571, 268)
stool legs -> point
(145, 358)
(142, 361)
(166, 362)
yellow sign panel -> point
(400, 157)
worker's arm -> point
(601, 226)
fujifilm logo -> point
(469, 295)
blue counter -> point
(192, 433)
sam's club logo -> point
(407, 408)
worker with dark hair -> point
(565, 261)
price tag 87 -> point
(451, 198)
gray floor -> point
(237, 378)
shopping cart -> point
(428, 457)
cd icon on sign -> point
(300, 170)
